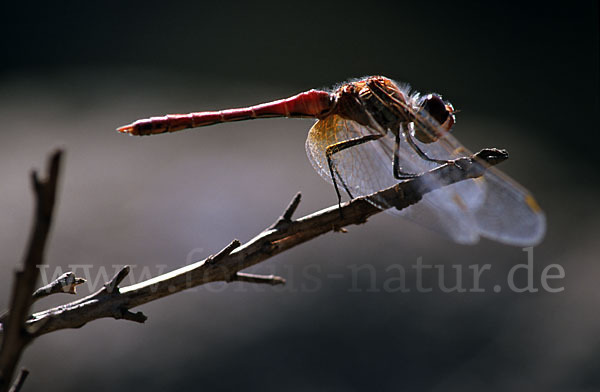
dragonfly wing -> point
(450, 220)
(363, 168)
(493, 206)
(503, 210)
(367, 168)
(509, 212)
(449, 209)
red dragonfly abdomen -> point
(311, 104)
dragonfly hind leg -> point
(398, 173)
(338, 147)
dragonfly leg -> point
(398, 173)
(341, 146)
(420, 152)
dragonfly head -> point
(442, 112)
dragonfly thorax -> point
(381, 104)
(372, 102)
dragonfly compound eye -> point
(436, 107)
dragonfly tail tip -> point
(129, 129)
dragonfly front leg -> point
(341, 146)
(420, 152)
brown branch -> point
(285, 233)
(15, 336)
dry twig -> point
(116, 302)
(16, 336)
(112, 301)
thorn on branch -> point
(291, 208)
(124, 313)
(286, 217)
(114, 283)
(224, 252)
(253, 278)
(66, 283)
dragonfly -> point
(371, 133)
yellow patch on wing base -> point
(535, 207)
(459, 150)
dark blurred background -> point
(525, 77)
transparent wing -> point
(492, 206)
(504, 211)
(367, 168)
(364, 168)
